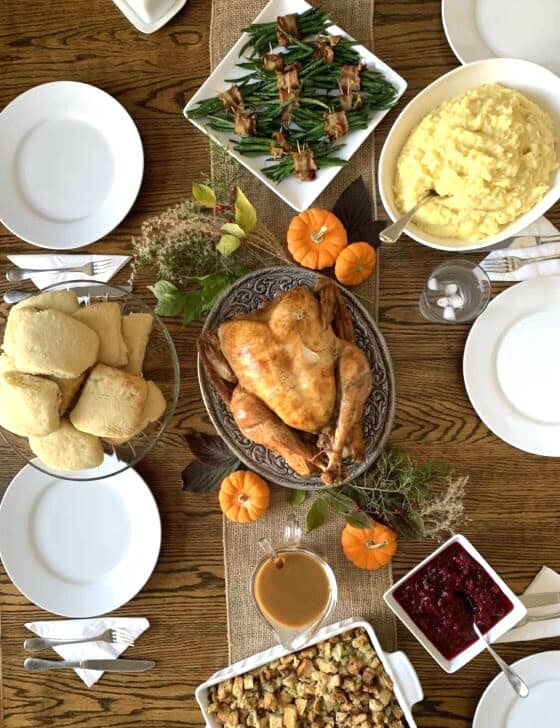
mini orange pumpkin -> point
(244, 496)
(315, 238)
(355, 264)
(369, 548)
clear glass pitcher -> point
(307, 607)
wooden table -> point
(512, 497)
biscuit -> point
(155, 405)
(7, 364)
(64, 301)
(28, 404)
(136, 328)
(52, 343)
(110, 404)
(69, 388)
(68, 449)
(153, 409)
(105, 320)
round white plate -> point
(499, 707)
(510, 366)
(79, 549)
(71, 164)
(479, 29)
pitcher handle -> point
(293, 532)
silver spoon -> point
(393, 232)
(511, 676)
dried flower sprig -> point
(200, 247)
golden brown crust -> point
(283, 355)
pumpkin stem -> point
(371, 545)
(242, 499)
(318, 235)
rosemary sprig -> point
(417, 501)
(397, 490)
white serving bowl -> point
(500, 628)
(537, 83)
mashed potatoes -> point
(491, 150)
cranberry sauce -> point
(434, 598)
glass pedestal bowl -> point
(161, 365)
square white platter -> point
(296, 193)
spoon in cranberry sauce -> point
(511, 676)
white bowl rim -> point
(509, 230)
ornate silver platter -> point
(250, 293)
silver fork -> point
(115, 636)
(512, 263)
(90, 269)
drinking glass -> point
(456, 291)
(294, 637)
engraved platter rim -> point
(241, 297)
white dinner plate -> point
(510, 366)
(479, 29)
(499, 706)
(79, 549)
(71, 164)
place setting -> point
(241, 331)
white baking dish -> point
(408, 690)
(499, 629)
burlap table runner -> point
(360, 592)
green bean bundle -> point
(264, 35)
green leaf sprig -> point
(194, 304)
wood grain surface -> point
(512, 497)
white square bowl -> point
(499, 629)
(299, 195)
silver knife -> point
(529, 241)
(540, 600)
(35, 664)
(83, 293)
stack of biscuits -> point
(71, 377)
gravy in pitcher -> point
(293, 589)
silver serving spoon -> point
(511, 676)
(393, 232)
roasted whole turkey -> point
(294, 379)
